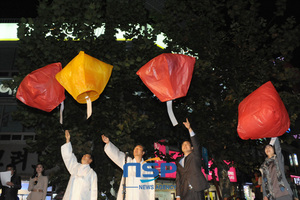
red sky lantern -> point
(168, 76)
(262, 114)
(41, 90)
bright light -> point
(291, 160)
(295, 159)
(8, 32)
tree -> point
(62, 29)
(236, 51)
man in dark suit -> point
(190, 181)
(11, 192)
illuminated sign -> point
(296, 179)
(6, 91)
(174, 155)
(231, 172)
(8, 31)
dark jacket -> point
(191, 172)
(11, 193)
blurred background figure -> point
(257, 181)
(292, 184)
(11, 192)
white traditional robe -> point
(136, 190)
(83, 181)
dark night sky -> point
(18, 8)
(27, 8)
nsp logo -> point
(165, 168)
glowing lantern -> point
(168, 76)
(40, 89)
(85, 78)
(262, 114)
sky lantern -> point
(262, 114)
(168, 76)
(85, 78)
(41, 90)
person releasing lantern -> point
(85, 78)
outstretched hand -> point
(67, 135)
(105, 139)
(187, 125)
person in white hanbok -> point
(83, 181)
(135, 189)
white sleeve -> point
(94, 189)
(272, 141)
(192, 134)
(115, 154)
(69, 158)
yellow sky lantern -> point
(85, 78)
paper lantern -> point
(168, 76)
(262, 114)
(85, 78)
(40, 89)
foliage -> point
(236, 52)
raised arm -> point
(113, 152)
(194, 139)
(188, 126)
(69, 158)
(275, 142)
(67, 135)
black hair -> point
(188, 142)
(12, 166)
(271, 146)
(35, 172)
(144, 148)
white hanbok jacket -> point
(135, 189)
(83, 181)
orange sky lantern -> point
(85, 78)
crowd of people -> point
(270, 183)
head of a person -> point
(256, 174)
(39, 168)
(86, 159)
(139, 151)
(186, 147)
(12, 168)
(269, 150)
